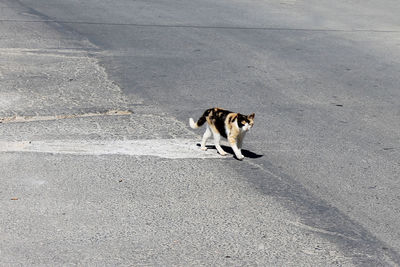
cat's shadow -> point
(228, 149)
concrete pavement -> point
(63, 208)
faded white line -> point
(164, 148)
(57, 52)
(67, 116)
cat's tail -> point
(197, 124)
(201, 121)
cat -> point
(230, 125)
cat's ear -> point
(251, 116)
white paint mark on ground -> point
(70, 53)
(59, 117)
(164, 148)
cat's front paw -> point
(223, 153)
(240, 157)
(203, 148)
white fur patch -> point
(192, 124)
(246, 127)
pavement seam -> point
(202, 26)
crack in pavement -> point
(201, 26)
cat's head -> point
(246, 122)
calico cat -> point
(220, 122)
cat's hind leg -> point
(217, 138)
(206, 135)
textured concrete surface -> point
(146, 211)
(320, 184)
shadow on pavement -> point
(246, 153)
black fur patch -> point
(218, 118)
(242, 118)
(232, 119)
(202, 119)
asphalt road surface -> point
(99, 167)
